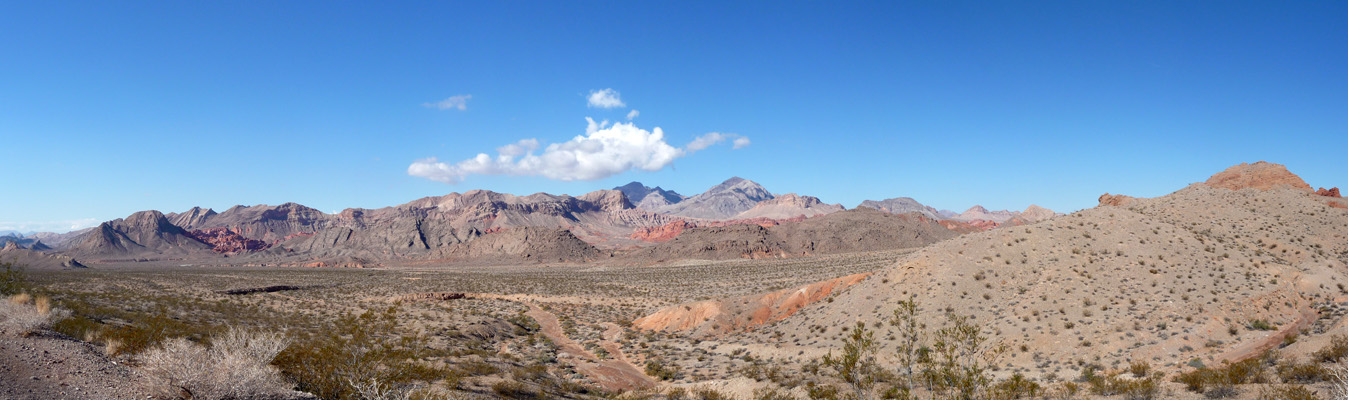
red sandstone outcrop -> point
(226, 241)
(1116, 200)
(1332, 192)
(1260, 175)
(1336, 204)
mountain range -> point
(538, 227)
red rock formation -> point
(1332, 192)
(226, 241)
(1260, 175)
(1336, 204)
(1116, 200)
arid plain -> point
(1231, 287)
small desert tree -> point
(856, 365)
(959, 364)
(910, 339)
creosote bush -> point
(235, 366)
(356, 351)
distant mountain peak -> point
(725, 200)
(641, 195)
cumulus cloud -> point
(459, 102)
(633, 114)
(606, 98)
(711, 139)
(605, 150)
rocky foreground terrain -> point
(1216, 272)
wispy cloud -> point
(606, 98)
(605, 150)
(49, 226)
(631, 115)
(711, 139)
(459, 102)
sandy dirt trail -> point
(615, 373)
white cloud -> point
(49, 226)
(711, 139)
(460, 102)
(605, 150)
(607, 98)
(633, 114)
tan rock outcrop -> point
(1260, 175)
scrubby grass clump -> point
(26, 315)
(235, 366)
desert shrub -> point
(1288, 392)
(768, 393)
(1139, 369)
(514, 390)
(856, 365)
(12, 280)
(235, 366)
(1261, 325)
(24, 315)
(822, 392)
(1016, 387)
(1335, 351)
(661, 371)
(709, 394)
(1219, 383)
(1295, 372)
(358, 350)
(146, 333)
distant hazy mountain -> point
(649, 198)
(734, 196)
(788, 206)
(903, 205)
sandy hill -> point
(723, 201)
(903, 205)
(789, 205)
(861, 229)
(1164, 280)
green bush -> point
(1335, 351)
(12, 280)
(356, 350)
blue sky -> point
(106, 109)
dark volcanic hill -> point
(144, 234)
(649, 198)
(734, 196)
(861, 229)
